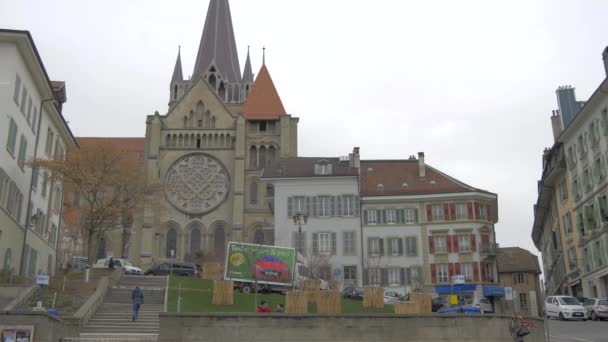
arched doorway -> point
(171, 248)
(101, 248)
(258, 237)
(195, 241)
(219, 241)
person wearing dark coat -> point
(138, 299)
(111, 264)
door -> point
(549, 306)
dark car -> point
(174, 268)
(353, 292)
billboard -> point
(265, 264)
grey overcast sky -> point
(470, 83)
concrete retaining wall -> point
(47, 328)
(185, 327)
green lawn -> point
(197, 295)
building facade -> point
(324, 191)
(519, 270)
(421, 227)
(221, 129)
(32, 128)
(570, 227)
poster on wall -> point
(16, 333)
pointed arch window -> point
(213, 121)
(212, 80)
(171, 250)
(253, 193)
(222, 91)
(175, 92)
(272, 154)
(253, 157)
(262, 157)
(195, 240)
(207, 123)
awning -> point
(456, 288)
(493, 291)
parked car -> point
(390, 297)
(483, 304)
(460, 310)
(597, 308)
(352, 292)
(437, 304)
(564, 307)
(270, 268)
(125, 264)
(177, 268)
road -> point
(577, 331)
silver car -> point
(597, 308)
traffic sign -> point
(42, 279)
(508, 293)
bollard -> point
(86, 275)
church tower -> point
(208, 151)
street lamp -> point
(297, 220)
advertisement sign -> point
(42, 279)
(458, 279)
(508, 293)
(267, 264)
(19, 333)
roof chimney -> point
(354, 159)
(421, 166)
(605, 58)
(556, 123)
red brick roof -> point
(133, 146)
(401, 177)
(263, 102)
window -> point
(29, 111)
(390, 216)
(45, 183)
(325, 243)
(571, 258)
(461, 211)
(34, 120)
(299, 242)
(57, 206)
(375, 246)
(394, 276)
(372, 216)
(411, 246)
(35, 176)
(440, 244)
(489, 273)
(519, 278)
(466, 270)
(324, 206)
(410, 215)
(599, 170)
(253, 193)
(296, 205)
(442, 273)
(17, 89)
(603, 205)
(572, 155)
(349, 243)
(464, 243)
(22, 151)
(567, 218)
(48, 146)
(482, 211)
(395, 247)
(23, 100)
(563, 190)
(374, 276)
(323, 167)
(262, 126)
(523, 301)
(350, 274)
(580, 223)
(348, 206)
(576, 184)
(437, 212)
(12, 137)
(587, 181)
(599, 254)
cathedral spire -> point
(178, 76)
(218, 46)
(264, 102)
(248, 72)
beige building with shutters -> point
(519, 269)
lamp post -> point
(297, 220)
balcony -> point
(488, 248)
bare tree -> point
(111, 184)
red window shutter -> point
(485, 240)
(476, 211)
(476, 271)
(433, 274)
(489, 210)
(446, 211)
(448, 242)
(457, 267)
(451, 270)
(452, 211)
(429, 213)
(455, 243)
(473, 243)
(431, 245)
(482, 267)
(470, 210)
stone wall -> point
(176, 327)
(47, 328)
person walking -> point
(518, 328)
(137, 296)
(264, 308)
(280, 308)
(111, 263)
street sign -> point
(458, 279)
(508, 293)
(42, 279)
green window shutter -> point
(400, 216)
(334, 244)
(383, 216)
(369, 243)
(400, 242)
(338, 205)
(290, 206)
(315, 244)
(365, 217)
(356, 206)
(403, 276)
(381, 243)
(315, 205)
(389, 246)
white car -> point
(125, 264)
(390, 297)
(564, 307)
(483, 304)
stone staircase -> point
(112, 322)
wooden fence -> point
(223, 292)
(296, 302)
(419, 303)
(329, 302)
(212, 271)
(373, 297)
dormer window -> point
(323, 167)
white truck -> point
(267, 268)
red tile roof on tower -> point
(263, 102)
(402, 177)
(133, 147)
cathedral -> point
(220, 130)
